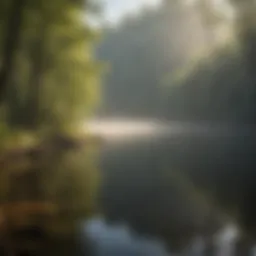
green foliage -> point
(73, 185)
(55, 80)
(51, 88)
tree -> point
(52, 88)
(151, 42)
(11, 39)
(44, 59)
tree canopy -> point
(52, 74)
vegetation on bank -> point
(49, 83)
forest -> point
(177, 63)
(49, 80)
(195, 64)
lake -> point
(134, 145)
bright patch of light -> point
(116, 9)
(190, 2)
(229, 233)
(224, 34)
(124, 129)
(224, 7)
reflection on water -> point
(118, 240)
(129, 173)
(226, 240)
(123, 129)
(113, 130)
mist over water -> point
(122, 129)
(116, 129)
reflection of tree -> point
(54, 191)
(156, 201)
(229, 78)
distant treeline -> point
(153, 73)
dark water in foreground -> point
(132, 145)
(118, 240)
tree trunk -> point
(12, 35)
(35, 81)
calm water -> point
(141, 144)
(116, 240)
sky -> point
(116, 9)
